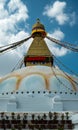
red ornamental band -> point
(35, 59)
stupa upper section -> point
(38, 53)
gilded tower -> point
(38, 53)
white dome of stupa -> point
(37, 78)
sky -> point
(60, 18)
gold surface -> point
(38, 30)
(38, 48)
(38, 25)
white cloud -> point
(17, 10)
(58, 34)
(21, 35)
(4, 13)
(12, 12)
(72, 19)
(59, 51)
(8, 62)
(54, 48)
(57, 11)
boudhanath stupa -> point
(40, 91)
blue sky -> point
(60, 18)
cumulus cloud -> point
(12, 13)
(57, 11)
(19, 36)
(54, 48)
(58, 34)
(17, 10)
(8, 62)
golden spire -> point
(38, 53)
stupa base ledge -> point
(11, 107)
